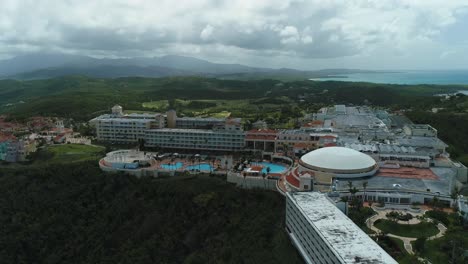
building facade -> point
(324, 234)
(170, 131)
(221, 139)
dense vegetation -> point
(396, 249)
(278, 103)
(451, 247)
(76, 214)
(82, 98)
(452, 128)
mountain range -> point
(44, 66)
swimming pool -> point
(274, 168)
(201, 167)
(175, 166)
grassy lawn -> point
(403, 257)
(418, 230)
(248, 108)
(160, 105)
(396, 249)
(367, 230)
(68, 153)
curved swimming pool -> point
(274, 168)
(201, 167)
(174, 166)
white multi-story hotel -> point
(170, 131)
(324, 234)
(228, 137)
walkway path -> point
(381, 214)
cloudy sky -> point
(309, 34)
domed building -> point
(320, 166)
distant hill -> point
(105, 71)
(44, 66)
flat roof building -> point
(324, 234)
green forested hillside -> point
(82, 97)
(77, 214)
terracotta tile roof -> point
(262, 131)
(59, 137)
(292, 180)
(260, 137)
(5, 137)
(261, 134)
(301, 145)
(407, 172)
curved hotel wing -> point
(324, 234)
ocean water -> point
(405, 77)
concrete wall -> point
(462, 172)
(251, 182)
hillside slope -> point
(77, 214)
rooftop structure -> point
(324, 234)
(339, 161)
(421, 130)
(261, 139)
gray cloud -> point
(307, 33)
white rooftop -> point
(126, 156)
(338, 158)
(345, 238)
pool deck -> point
(156, 165)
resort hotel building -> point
(324, 234)
(384, 157)
(169, 131)
(226, 137)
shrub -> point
(419, 244)
(440, 216)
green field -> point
(423, 229)
(68, 153)
(276, 111)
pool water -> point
(201, 167)
(274, 168)
(175, 166)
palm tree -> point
(350, 186)
(226, 163)
(353, 191)
(455, 193)
(364, 186)
(268, 169)
(354, 201)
